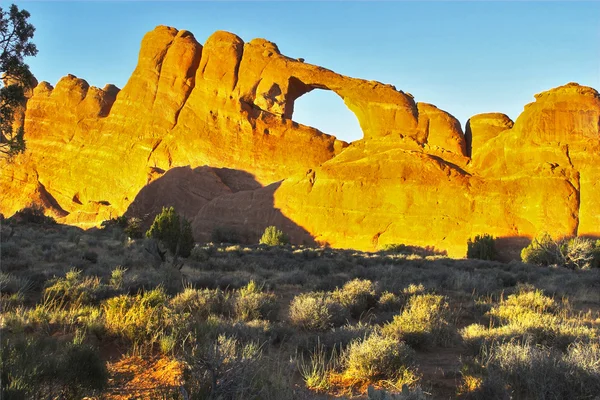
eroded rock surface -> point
(209, 129)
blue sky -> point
(464, 57)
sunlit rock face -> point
(209, 129)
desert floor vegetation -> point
(99, 314)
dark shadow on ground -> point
(221, 203)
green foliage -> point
(425, 321)
(174, 231)
(138, 318)
(48, 368)
(274, 237)
(15, 33)
(543, 251)
(482, 247)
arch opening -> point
(325, 110)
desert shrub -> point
(120, 222)
(133, 229)
(541, 373)
(252, 303)
(529, 315)
(406, 394)
(574, 253)
(316, 311)
(581, 253)
(274, 237)
(543, 251)
(33, 214)
(425, 321)
(9, 250)
(200, 303)
(395, 248)
(90, 256)
(315, 372)
(224, 234)
(389, 302)
(76, 289)
(174, 231)
(482, 247)
(200, 253)
(357, 296)
(378, 358)
(47, 368)
(226, 369)
(117, 277)
(138, 318)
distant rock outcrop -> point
(210, 130)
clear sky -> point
(464, 57)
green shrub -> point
(378, 358)
(274, 237)
(543, 251)
(482, 247)
(316, 311)
(139, 318)
(174, 231)
(357, 296)
(425, 321)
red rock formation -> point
(415, 178)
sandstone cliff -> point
(209, 128)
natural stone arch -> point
(297, 90)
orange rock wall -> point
(205, 127)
